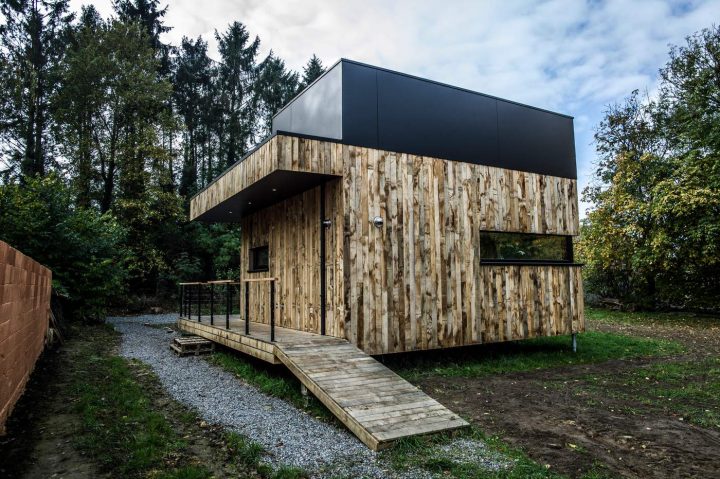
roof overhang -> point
(271, 189)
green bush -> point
(81, 247)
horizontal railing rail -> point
(198, 299)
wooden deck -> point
(376, 404)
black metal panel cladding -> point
(419, 117)
(359, 105)
(397, 112)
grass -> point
(529, 355)
(120, 428)
(129, 437)
(644, 317)
(686, 389)
(270, 382)
(249, 454)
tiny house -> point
(400, 214)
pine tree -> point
(312, 71)
(237, 75)
(150, 16)
(32, 42)
(192, 96)
(276, 86)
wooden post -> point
(247, 309)
(182, 302)
(212, 303)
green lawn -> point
(651, 318)
(120, 428)
(529, 355)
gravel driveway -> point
(290, 436)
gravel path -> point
(289, 435)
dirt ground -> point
(44, 425)
(560, 420)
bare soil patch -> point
(574, 422)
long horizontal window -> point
(521, 247)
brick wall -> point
(25, 287)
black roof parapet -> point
(363, 105)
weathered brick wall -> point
(25, 287)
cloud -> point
(564, 55)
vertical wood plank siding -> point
(417, 282)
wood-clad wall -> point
(417, 283)
(291, 230)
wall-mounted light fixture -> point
(377, 222)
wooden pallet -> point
(186, 345)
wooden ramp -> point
(376, 404)
(372, 401)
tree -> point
(32, 46)
(193, 91)
(109, 105)
(236, 80)
(276, 86)
(653, 236)
(148, 14)
(311, 71)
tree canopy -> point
(652, 238)
(106, 131)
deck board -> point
(376, 404)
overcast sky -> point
(568, 56)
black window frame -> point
(568, 261)
(253, 257)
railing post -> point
(227, 306)
(247, 308)
(180, 311)
(212, 303)
(272, 311)
(198, 299)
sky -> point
(570, 56)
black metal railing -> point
(272, 304)
(219, 299)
